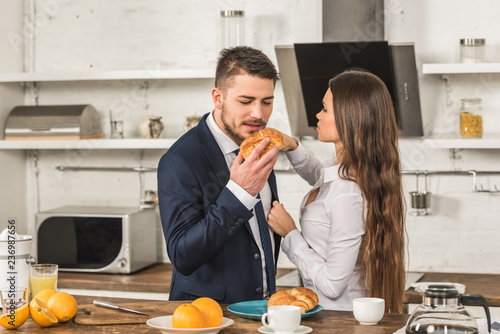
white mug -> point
(282, 318)
(368, 311)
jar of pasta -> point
(471, 121)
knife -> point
(115, 307)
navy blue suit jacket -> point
(209, 240)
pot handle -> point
(478, 300)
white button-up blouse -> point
(327, 249)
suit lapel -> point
(213, 153)
(215, 157)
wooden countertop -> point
(156, 278)
(482, 284)
(322, 323)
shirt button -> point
(258, 290)
(256, 256)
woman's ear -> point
(217, 98)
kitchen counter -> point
(322, 322)
(156, 278)
(482, 284)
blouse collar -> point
(331, 171)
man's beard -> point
(231, 127)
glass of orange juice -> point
(42, 276)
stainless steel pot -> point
(421, 200)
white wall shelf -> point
(455, 141)
(94, 144)
(460, 68)
(108, 75)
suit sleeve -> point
(195, 232)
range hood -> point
(306, 68)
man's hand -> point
(252, 174)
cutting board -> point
(93, 315)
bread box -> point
(53, 122)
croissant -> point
(249, 144)
(304, 298)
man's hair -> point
(243, 60)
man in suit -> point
(213, 204)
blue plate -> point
(254, 309)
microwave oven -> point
(97, 239)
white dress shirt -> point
(228, 146)
(327, 249)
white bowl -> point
(164, 324)
(368, 311)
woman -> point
(351, 242)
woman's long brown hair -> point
(366, 124)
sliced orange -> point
(17, 319)
(40, 314)
(63, 305)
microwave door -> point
(80, 242)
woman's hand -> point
(279, 220)
(289, 143)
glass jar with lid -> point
(232, 28)
(472, 50)
(471, 121)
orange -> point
(63, 305)
(40, 314)
(211, 310)
(44, 295)
(18, 318)
(187, 316)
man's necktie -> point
(266, 243)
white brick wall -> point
(462, 232)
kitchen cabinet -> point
(455, 141)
